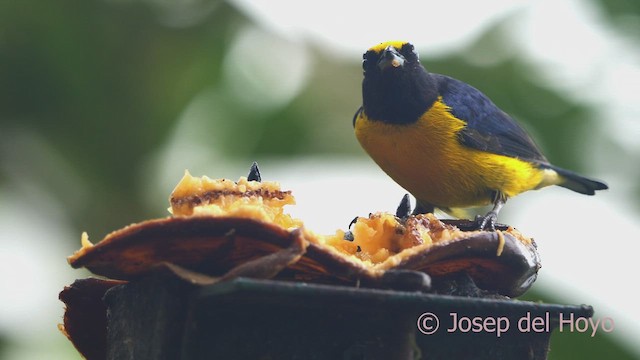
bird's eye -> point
(367, 59)
(409, 49)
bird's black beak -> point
(390, 57)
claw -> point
(488, 222)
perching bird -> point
(444, 141)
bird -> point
(446, 142)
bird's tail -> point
(577, 183)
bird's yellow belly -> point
(427, 159)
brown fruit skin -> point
(215, 245)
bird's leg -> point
(488, 222)
(422, 208)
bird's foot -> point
(487, 222)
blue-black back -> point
(488, 128)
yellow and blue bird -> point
(446, 142)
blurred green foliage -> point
(618, 8)
(103, 84)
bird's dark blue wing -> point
(488, 128)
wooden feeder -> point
(224, 285)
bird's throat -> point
(401, 97)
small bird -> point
(444, 141)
